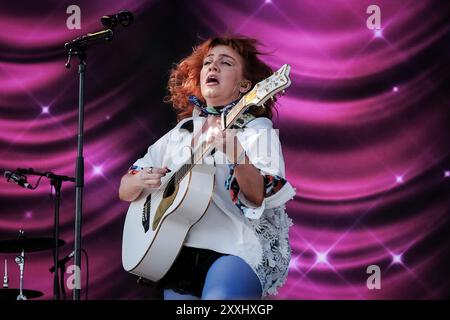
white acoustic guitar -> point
(158, 221)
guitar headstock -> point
(267, 88)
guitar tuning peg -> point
(263, 105)
(272, 98)
(283, 92)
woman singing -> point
(240, 248)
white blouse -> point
(260, 236)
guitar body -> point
(157, 223)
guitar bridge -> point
(146, 213)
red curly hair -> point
(185, 76)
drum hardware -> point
(22, 245)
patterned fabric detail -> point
(271, 185)
(215, 111)
(135, 169)
(272, 230)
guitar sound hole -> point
(170, 189)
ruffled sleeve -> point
(262, 146)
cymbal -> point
(11, 294)
(28, 244)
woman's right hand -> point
(150, 177)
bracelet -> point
(135, 169)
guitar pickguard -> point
(168, 198)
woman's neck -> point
(217, 104)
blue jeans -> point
(228, 278)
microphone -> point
(62, 261)
(18, 179)
(87, 38)
(124, 18)
(25, 171)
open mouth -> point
(212, 80)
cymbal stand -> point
(20, 260)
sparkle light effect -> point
(97, 170)
(399, 179)
(378, 33)
(397, 259)
(45, 109)
(321, 257)
(349, 141)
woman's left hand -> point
(223, 140)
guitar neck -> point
(260, 93)
(231, 117)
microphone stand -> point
(79, 171)
(56, 182)
(77, 48)
(62, 269)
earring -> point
(245, 84)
